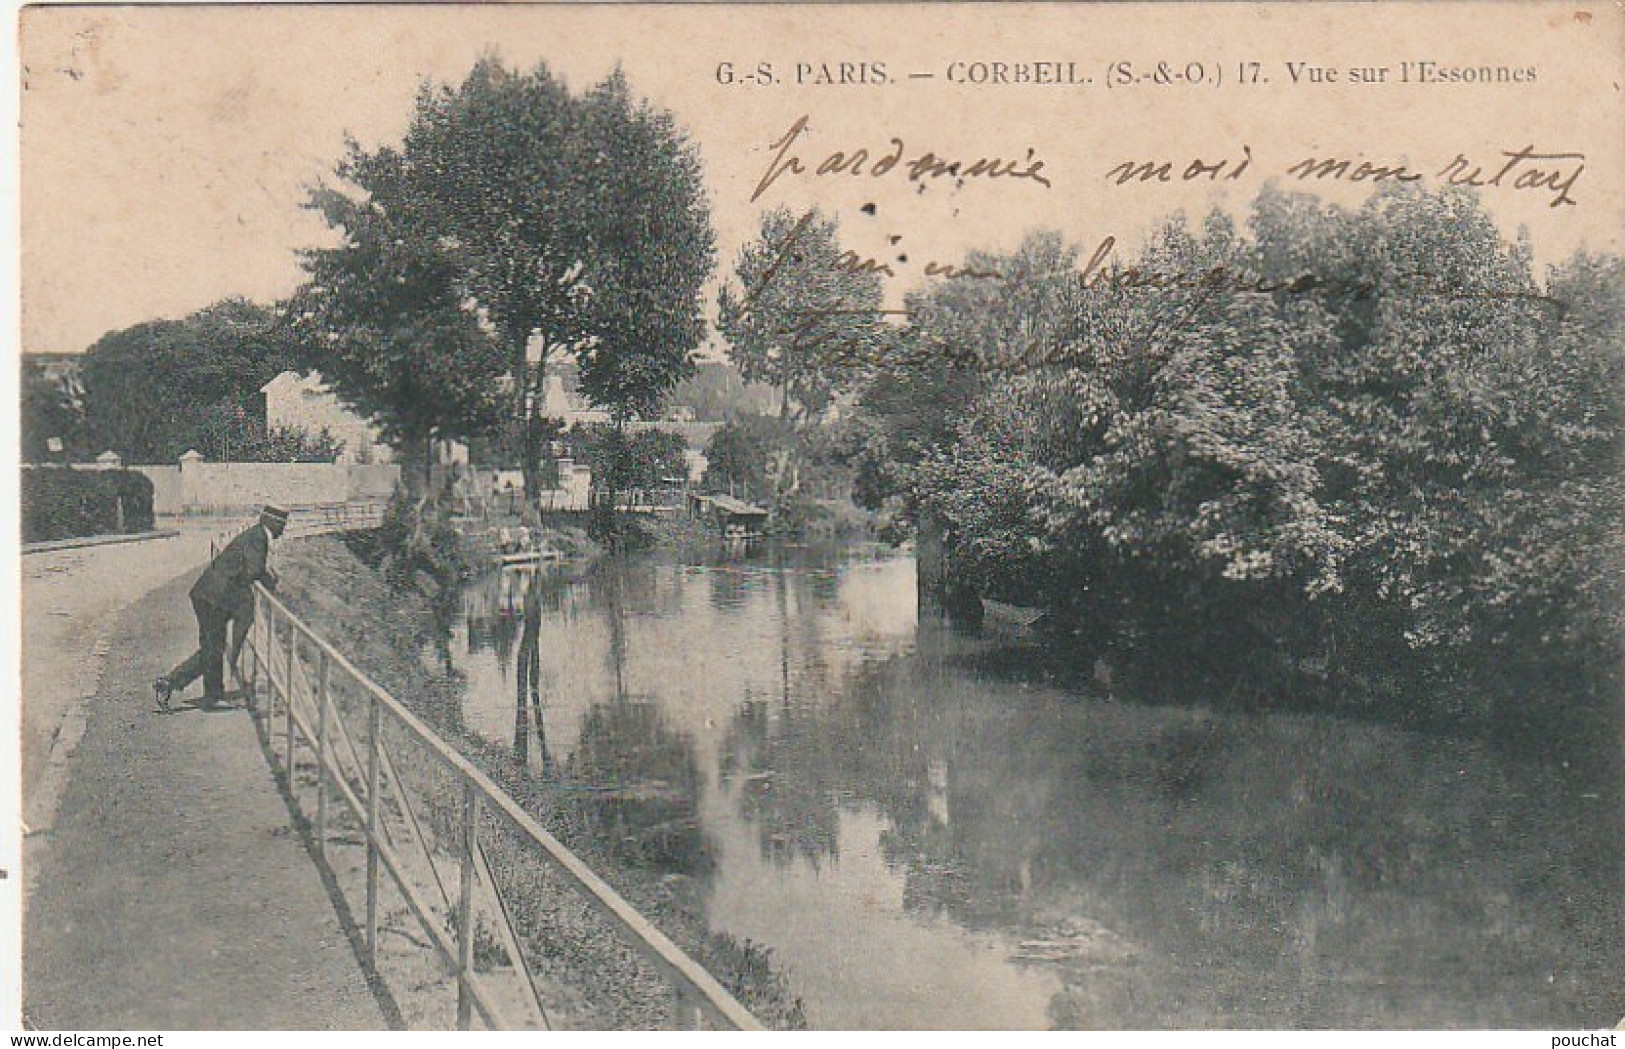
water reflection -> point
(928, 844)
(794, 813)
(643, 783)
(1171, 870)
(528, 674)
(633, 776)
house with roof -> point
(561, 402)
(292, 399)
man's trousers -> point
(207, 662)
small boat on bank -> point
(530, 557)
(1015, 618)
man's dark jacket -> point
(230, 577)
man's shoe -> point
(163, 690)
(208, 702)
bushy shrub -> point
(1368, 442)
(419, 548)
(632, 459)
(751, 456)
(62, 503)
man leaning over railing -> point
(219, 596)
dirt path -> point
(71, 599)
(169, 891)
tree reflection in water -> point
(642, 785)
(528, 675)
(790, 800)
(796, 814)
(1139, 864)
(1172, 869)
(490, 614)
(443, 608)
(500, 610)
(637, 774)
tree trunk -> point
(428, 464)
(530, 458)
(519, 424)
(613, 520)
(414, 449)
(930, 566)
(942, 589)
(786, 369)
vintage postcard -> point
(904, 516)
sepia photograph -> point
(818, 516)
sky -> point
(166, 150)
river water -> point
(931, 830)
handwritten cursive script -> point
(814, 327)
(859, 163)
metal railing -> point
(315, 519)
(323, 518)
(303, 679)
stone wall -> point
(198, 487)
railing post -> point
(265, 651)
(373, 723)
(465, 906)
(287, 711)
(261, 716)
(321, 751)
(684, 1012)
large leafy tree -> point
(647, 457)
(747, 456)
(716, 392)
(491, 169)
(384, 318)
(1470, 418)
(801, 313)
(652, 249)
(1162, 441)
(48, 409)
(549, 222)
(1572, 456)
(148, 389)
